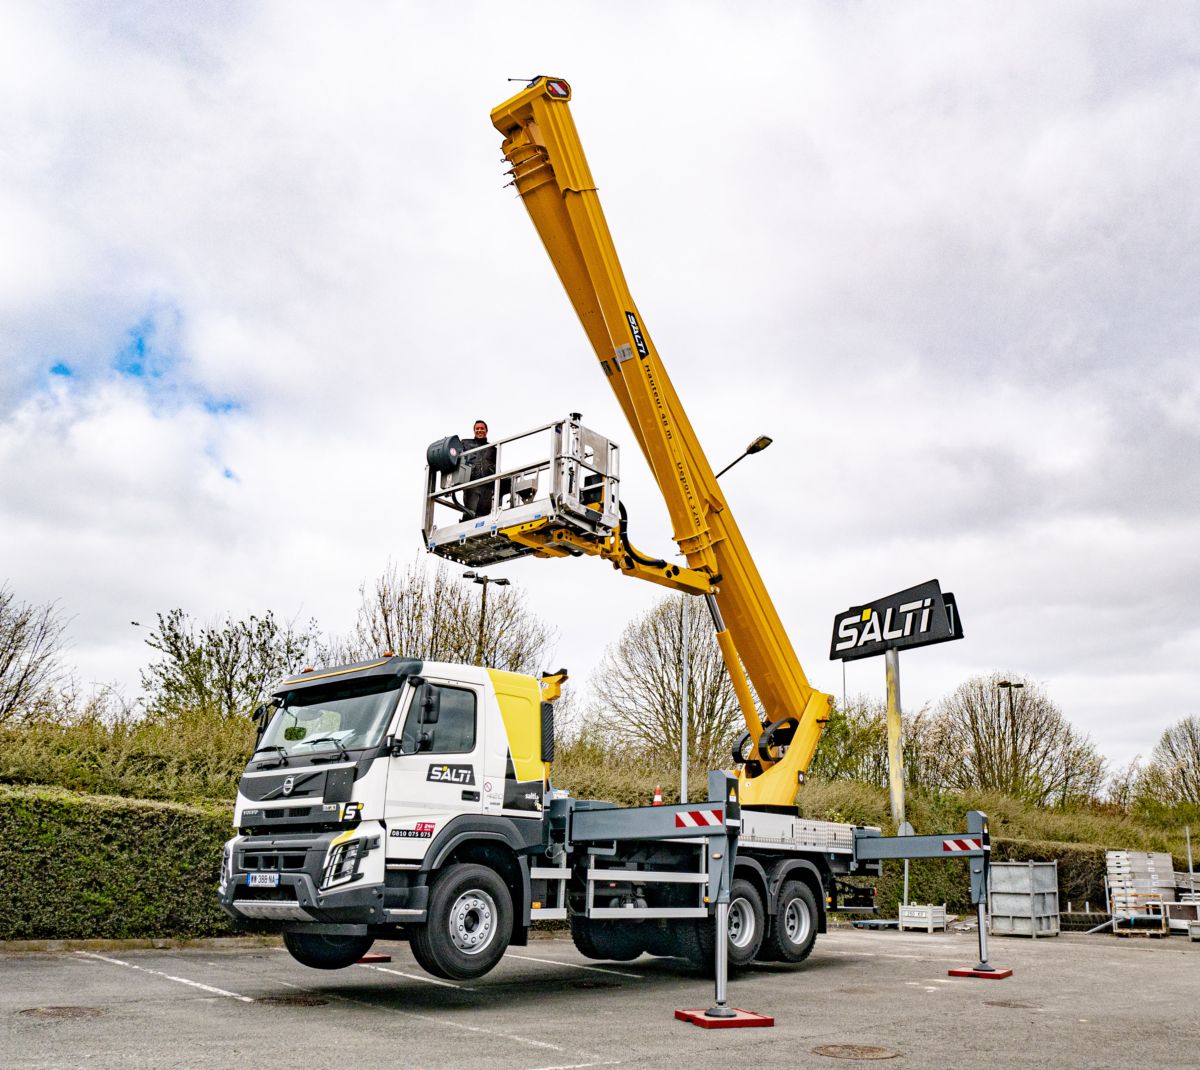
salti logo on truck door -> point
(914, 617)
(451, 774)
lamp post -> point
(480, 578)
(1010, 686)
(757, 446)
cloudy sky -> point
(254, 257)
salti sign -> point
(917, 616)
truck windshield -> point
(329, 719)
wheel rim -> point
(473, 921)
(741, 923)
(796, 921)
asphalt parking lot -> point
(1073, 1002)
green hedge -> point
(78, 866)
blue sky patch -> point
(62, 369)
(146, 354)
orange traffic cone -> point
(657, 797)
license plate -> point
(262, 880)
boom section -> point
(551, 173)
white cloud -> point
(945, 258)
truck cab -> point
(371, 777)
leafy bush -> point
(192, 756)
(87, 866)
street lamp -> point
(757, 446)
(480, 578)
(1010, 686)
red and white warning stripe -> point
(954, 846)
(691, 819)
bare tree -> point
(1016, 741)
(1172, 777)
(1123, 785)
(434, 615)
(224, 667)
(31, 669)
(638, 685)
(854, 746)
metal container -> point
(927, 917)
(1023, 899)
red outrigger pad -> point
(741, 1019)
(997, 974)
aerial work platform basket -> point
(510, 497)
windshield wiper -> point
(283, 758)
(329, 739)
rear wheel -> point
(322, 952)
(696, 941)
(607, 940)
(469, 923)
(747, 923)
(794, 925)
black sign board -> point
(918, 616)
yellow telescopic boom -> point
(551, 174)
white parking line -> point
(578, 1066)
(577, 966)
(168, 976)
(416, 977)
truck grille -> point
(273, 860)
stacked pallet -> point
(1140, 884)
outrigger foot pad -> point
(996, 973)
(740, 1019)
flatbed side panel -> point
(680, 821)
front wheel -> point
(794, 925)
(469, 924)
(322, 952)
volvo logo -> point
(288, 784)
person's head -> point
(481, 429)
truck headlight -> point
(343, 863)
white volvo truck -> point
(412, 800)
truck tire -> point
(469, 923)
(696, 941)
(322, 952)
(607, 941)
(794, 925)
(696, 944)
(747, 923)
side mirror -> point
(262, 717)
(430, 705)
